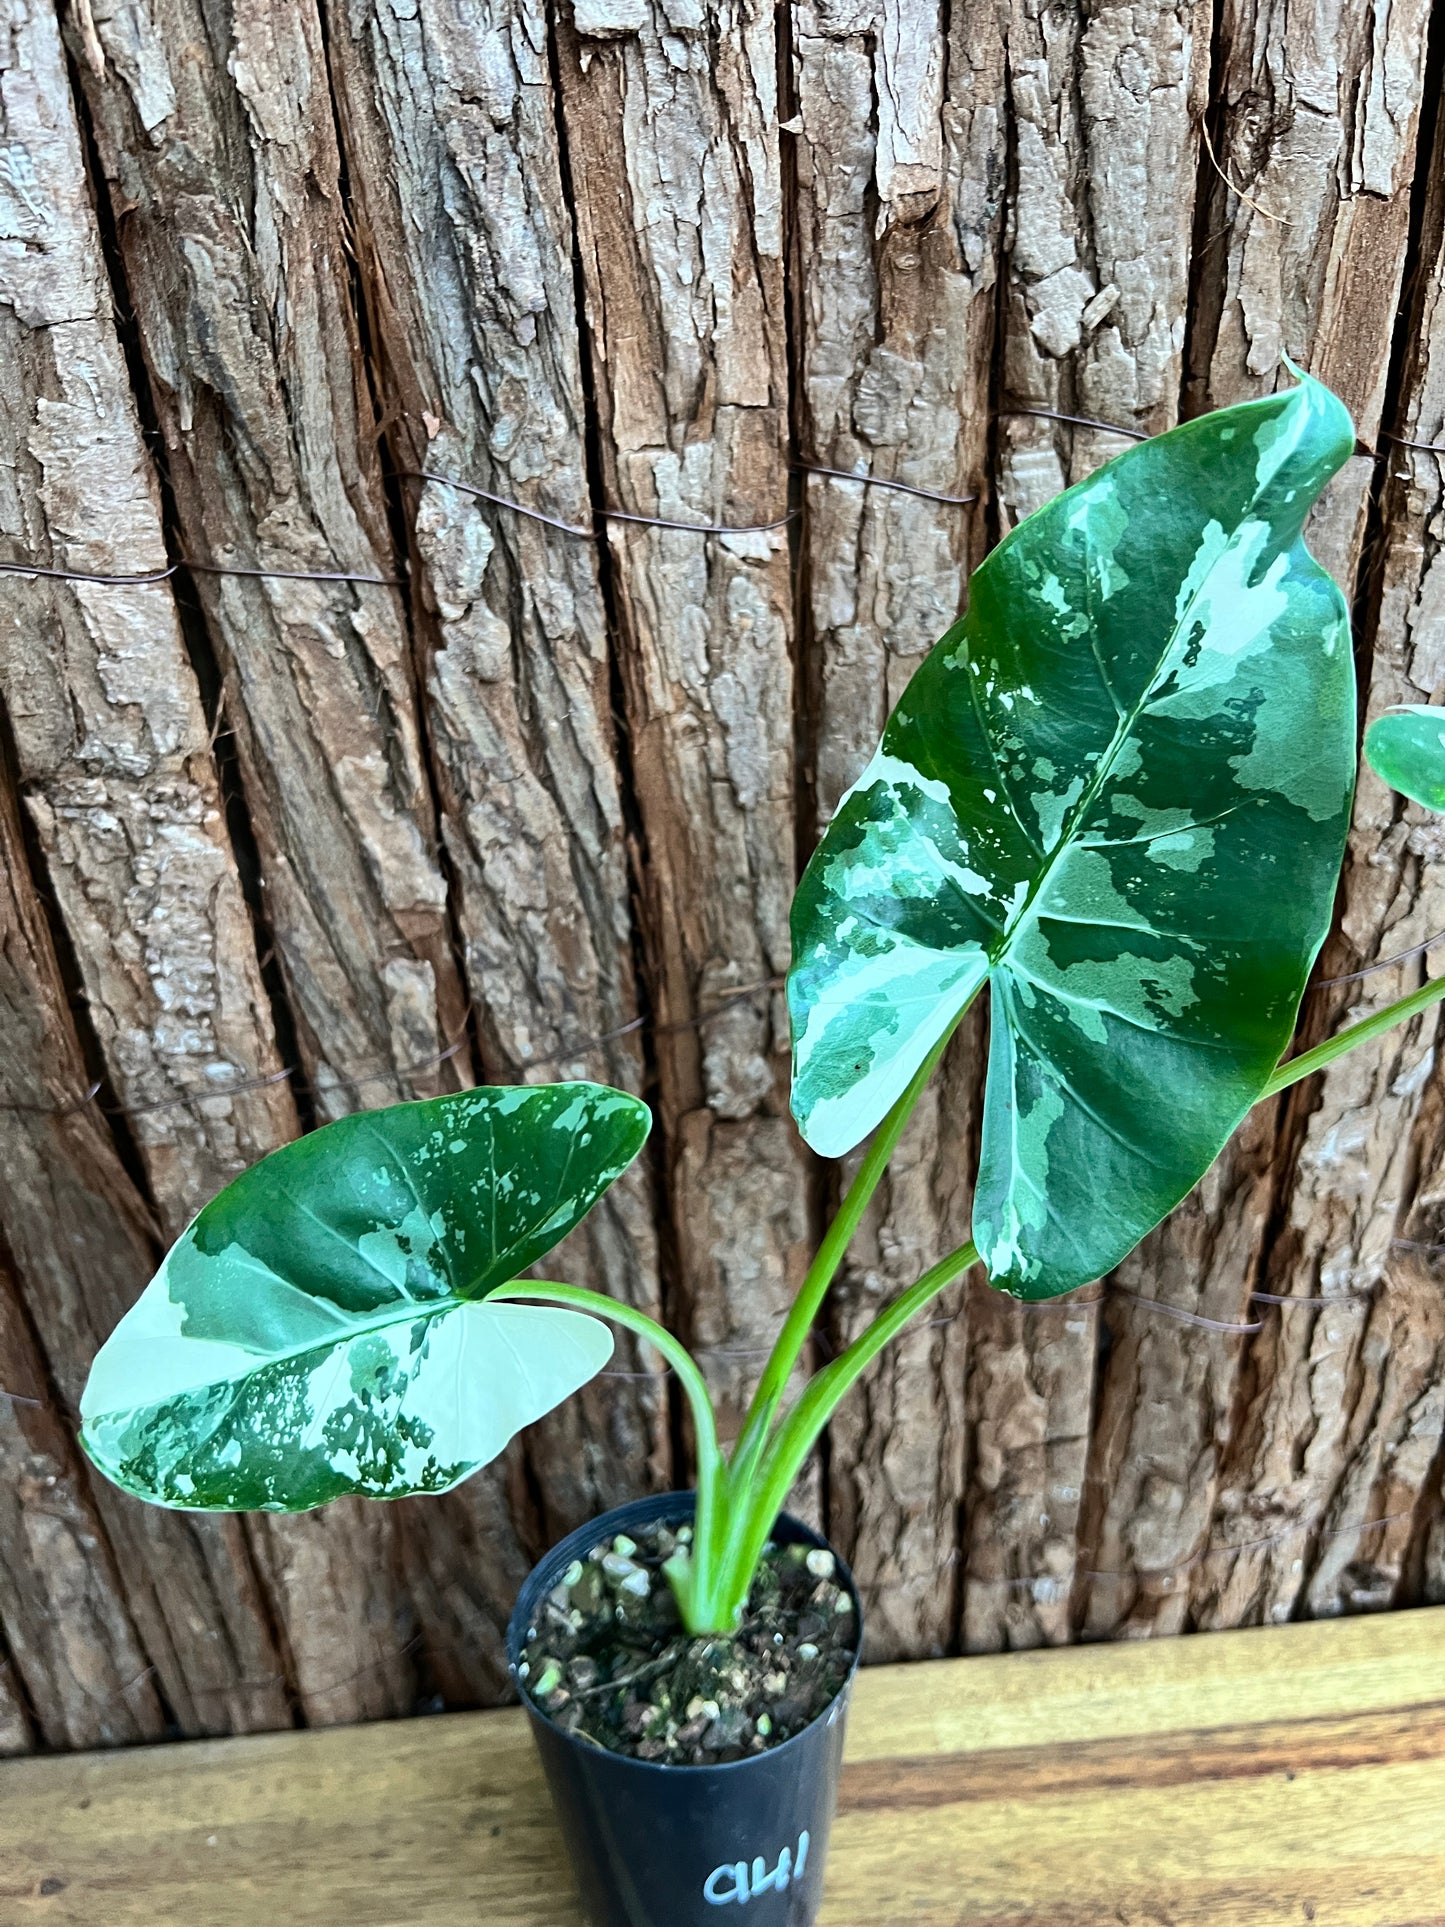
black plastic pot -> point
(689, 1846)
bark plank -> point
(1342, 1397)
(1104, 112)
(1309, 204)
(217, 142)
(163, 1599)
(465, 249)
(898, 145)
(900, 186)
(112, 747)
(1104, 116)
(71, 1639)
(677, 182)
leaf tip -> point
(1334, 420)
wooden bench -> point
(1294, 1774)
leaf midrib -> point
(1125, 726)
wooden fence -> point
(378, 784)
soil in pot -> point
(608, 1660)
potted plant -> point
(1117, 792)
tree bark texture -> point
(1305, 1200)
(430, 314)
(466, 266)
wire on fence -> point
(607, 513)
(1288, 1299)
(1194, 1318)
(390, 1073)
(604, 514)
(198, 567)
(1079, 421)
(1245, 1545)
(240, 1088)
(1068, 1302)
(1386, 963)
(18, 1107)
(884, 481)
(675, 1029)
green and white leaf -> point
(1406, 749)
(1118, 792)
(323, 1327)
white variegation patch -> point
(446, 1404)
(897, 1002)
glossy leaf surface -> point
(1406, 749)
(323, 1325)
(1118, 791)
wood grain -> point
(1234, 1780)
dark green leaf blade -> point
(1406, 749)
(323, 1326)
(1118, 790)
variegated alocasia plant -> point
(1116, 794)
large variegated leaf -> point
(1406, 749)
(1118, 791)
(323, 1326)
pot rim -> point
(662, 1509)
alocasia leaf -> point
(1406, 749)
(323, 1325)
(1118, 792)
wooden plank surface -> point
(1241, 1779)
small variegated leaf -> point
(1117, 791)
(1406, 749)
(323, 1326)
